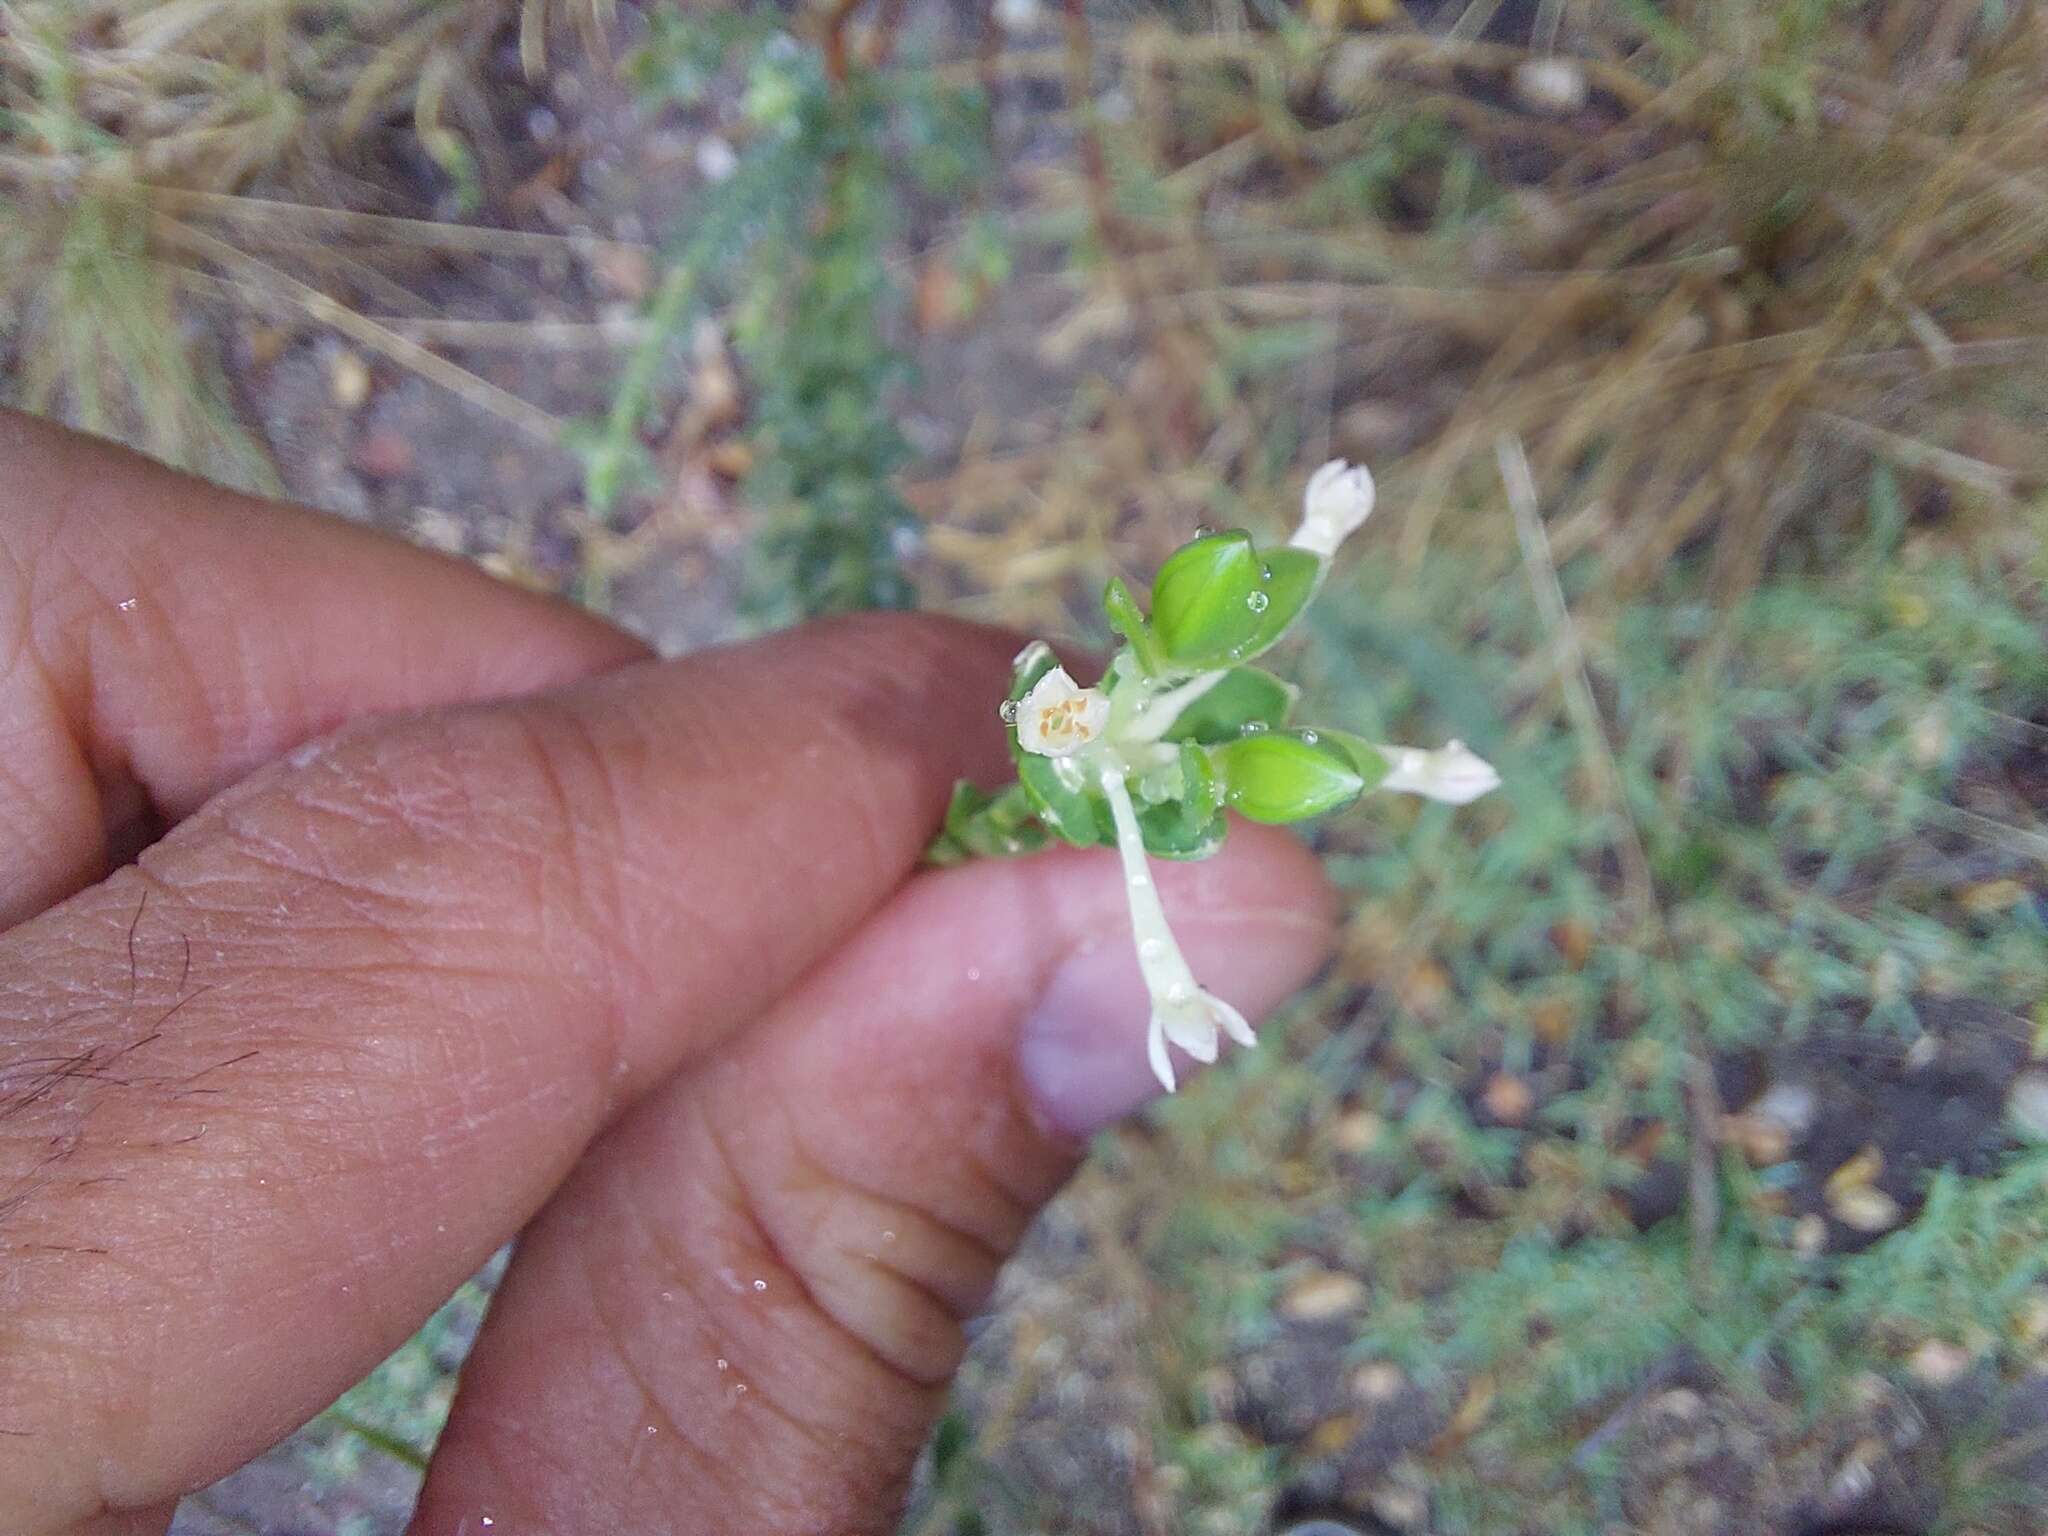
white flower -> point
(1057, 718)
(1182, 1013)
(1454, 773)
(1338, 499)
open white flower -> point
(1339, 498)
(1058, 717)
(1454, 773)
(1182, 1013)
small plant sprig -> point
(1181, 729)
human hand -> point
(456, 917)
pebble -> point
(1551, 85)
(1377, 1382)
(1508, 1098)
(1865, 1208)
(1938, 1362)
(1322, 1294)
(348, 379)
(2026, 1105)
(1858, 1171)
(1358, 1131)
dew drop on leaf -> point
(1251, 728)
(1258, 602)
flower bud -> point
(1339, 498)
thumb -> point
(741, 1312)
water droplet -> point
(760, 1285)
(486, 1521)
(1203, 530)
(974, 973)
(127, 605)
(725, 1365)
(1139, 882)
(650, 1430)
(1310, 737)
(1258, 602)
(1265, 573)
(888, 1236)
(1008, 711)
(1251, 728)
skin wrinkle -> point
(825, 1445)
(992, 1250)
(747, 1207)
(827, 1184)
(618, 1335)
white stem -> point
(1157, 715)
(1165, 969)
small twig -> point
(378, 338)
(834, 39)
(1914, 454)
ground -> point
(1663, 1151)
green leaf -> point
(1245, 696)
(1289, 578)
(1205, 602)
(1221, 600)
(1283, 776)
(980, 825)
(1078, 816)
(1371, 764)
(1128, 620)
(1188, 823)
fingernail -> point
(1082, 1049)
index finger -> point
(160, 637)
(276, 1090)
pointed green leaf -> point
(1221, 600)
(1370, 762)
(1246, 696)
(1286, 775)
(1288, 579)
(1128, 620)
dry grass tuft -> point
(1707, 261)
(161, 157)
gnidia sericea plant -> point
(1181, 729)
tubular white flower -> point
(1339, 498)
(1182, 1013)
(1057, 718)
(1454, 773)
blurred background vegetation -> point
(1668, 1149)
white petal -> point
(1454, 773)
(1233, 1022)
(1189, 1026)
(1155, 1049)
(1339, 498)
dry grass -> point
(1770, 245)
(166, 161)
